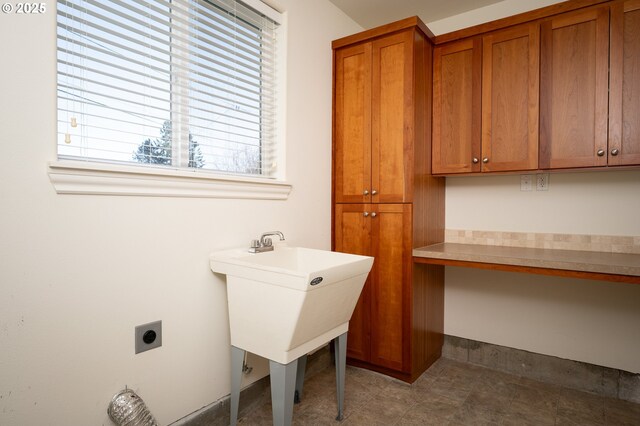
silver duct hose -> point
(128, 409)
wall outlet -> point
(542, 182)
(148, 336)
(526, 182)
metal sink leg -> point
(237, 357)
(283, 385)
(340, 344)
(302, 365)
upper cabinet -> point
(551, 91)
(486, 102)
(373, 120)
(624, 86)
(457, 73)
(510, 95)
(574, 89)
(352, 141)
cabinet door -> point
(391, 286)
(457, 70)
(574, 89)
(352, 124)
(392, 118)
(624, 101)
(510, 99)
(353, 235)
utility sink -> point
(289, 301)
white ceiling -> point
(373, 13)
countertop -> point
(624, 264)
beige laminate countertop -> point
(624, 264)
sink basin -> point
(287, 302)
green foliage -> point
(158, 151)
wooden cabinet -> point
(457, 72)
(486, 103)
(574, 89)
(352, 230)
(372, 125)
(559, 92)
(510, 99)
(352, 126)
(379, 329)
(624, 85)
(385, 201)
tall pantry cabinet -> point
(385, 201)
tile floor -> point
(449, 393)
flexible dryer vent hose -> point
(128, 409)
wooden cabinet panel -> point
(352, 123)
(390, 296)
(510, 99)
(574, 89)
(624, 96)
(353, 235)
(392, 118)
(457, 70)
(379, 325)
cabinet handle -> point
(614, 151)
(485, 160)
(374, 192)
(365, 214)
(366, 192)
(374, 214)
(475, 160)
(600, 152)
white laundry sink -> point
(289, 301)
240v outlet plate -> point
(148, 336)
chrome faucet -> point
(264, 243)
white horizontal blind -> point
(173, 83)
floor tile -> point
(573, 401)
(451, 393)
(619, 412)
(473, 414)
(539, 399)
(431, 409)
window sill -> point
(74, 177)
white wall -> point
(584, 320)
(596, 203)
(79, 272)
(494, 11)
(591, 321)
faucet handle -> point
(255, 243)
(267, 242)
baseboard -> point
(217, 413)
(577, 375)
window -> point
(175, 84)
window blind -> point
(168, 83)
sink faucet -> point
(264, 243)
